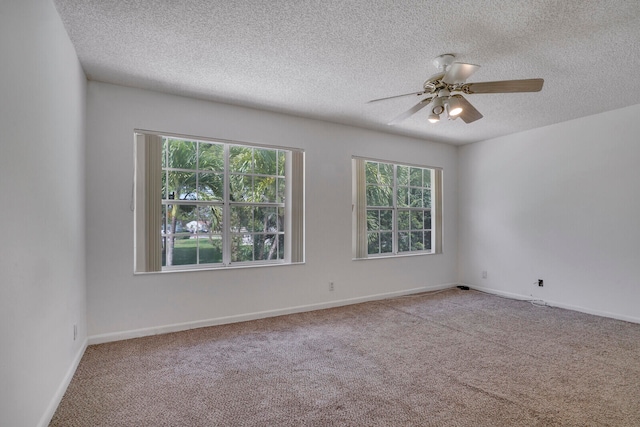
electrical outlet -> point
(75, 332)
(331, 287)
(484, 274)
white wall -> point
(42, 262)
(119, 302)
(561, 203)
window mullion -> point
(226, 211)
(197, 187)
(394, 232)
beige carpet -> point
(453, 358)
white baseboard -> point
(557, 304)
(137, 333)
(500, 293)
(62, 388)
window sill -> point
(395, 256)
(217, 268)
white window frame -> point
(148, 201)
(359, 210)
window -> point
(207, 204)
(397, 209)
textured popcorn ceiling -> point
(326, 58)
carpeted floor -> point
(453, 358)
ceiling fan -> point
(444, 91)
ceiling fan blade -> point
(459, 72)
(469, 113)
(397, 96)
(411, 111)
(505, 86)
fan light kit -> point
(444, 91)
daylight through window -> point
(397, 209)
(204, 204)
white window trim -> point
(359, 211)
(146, 198)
